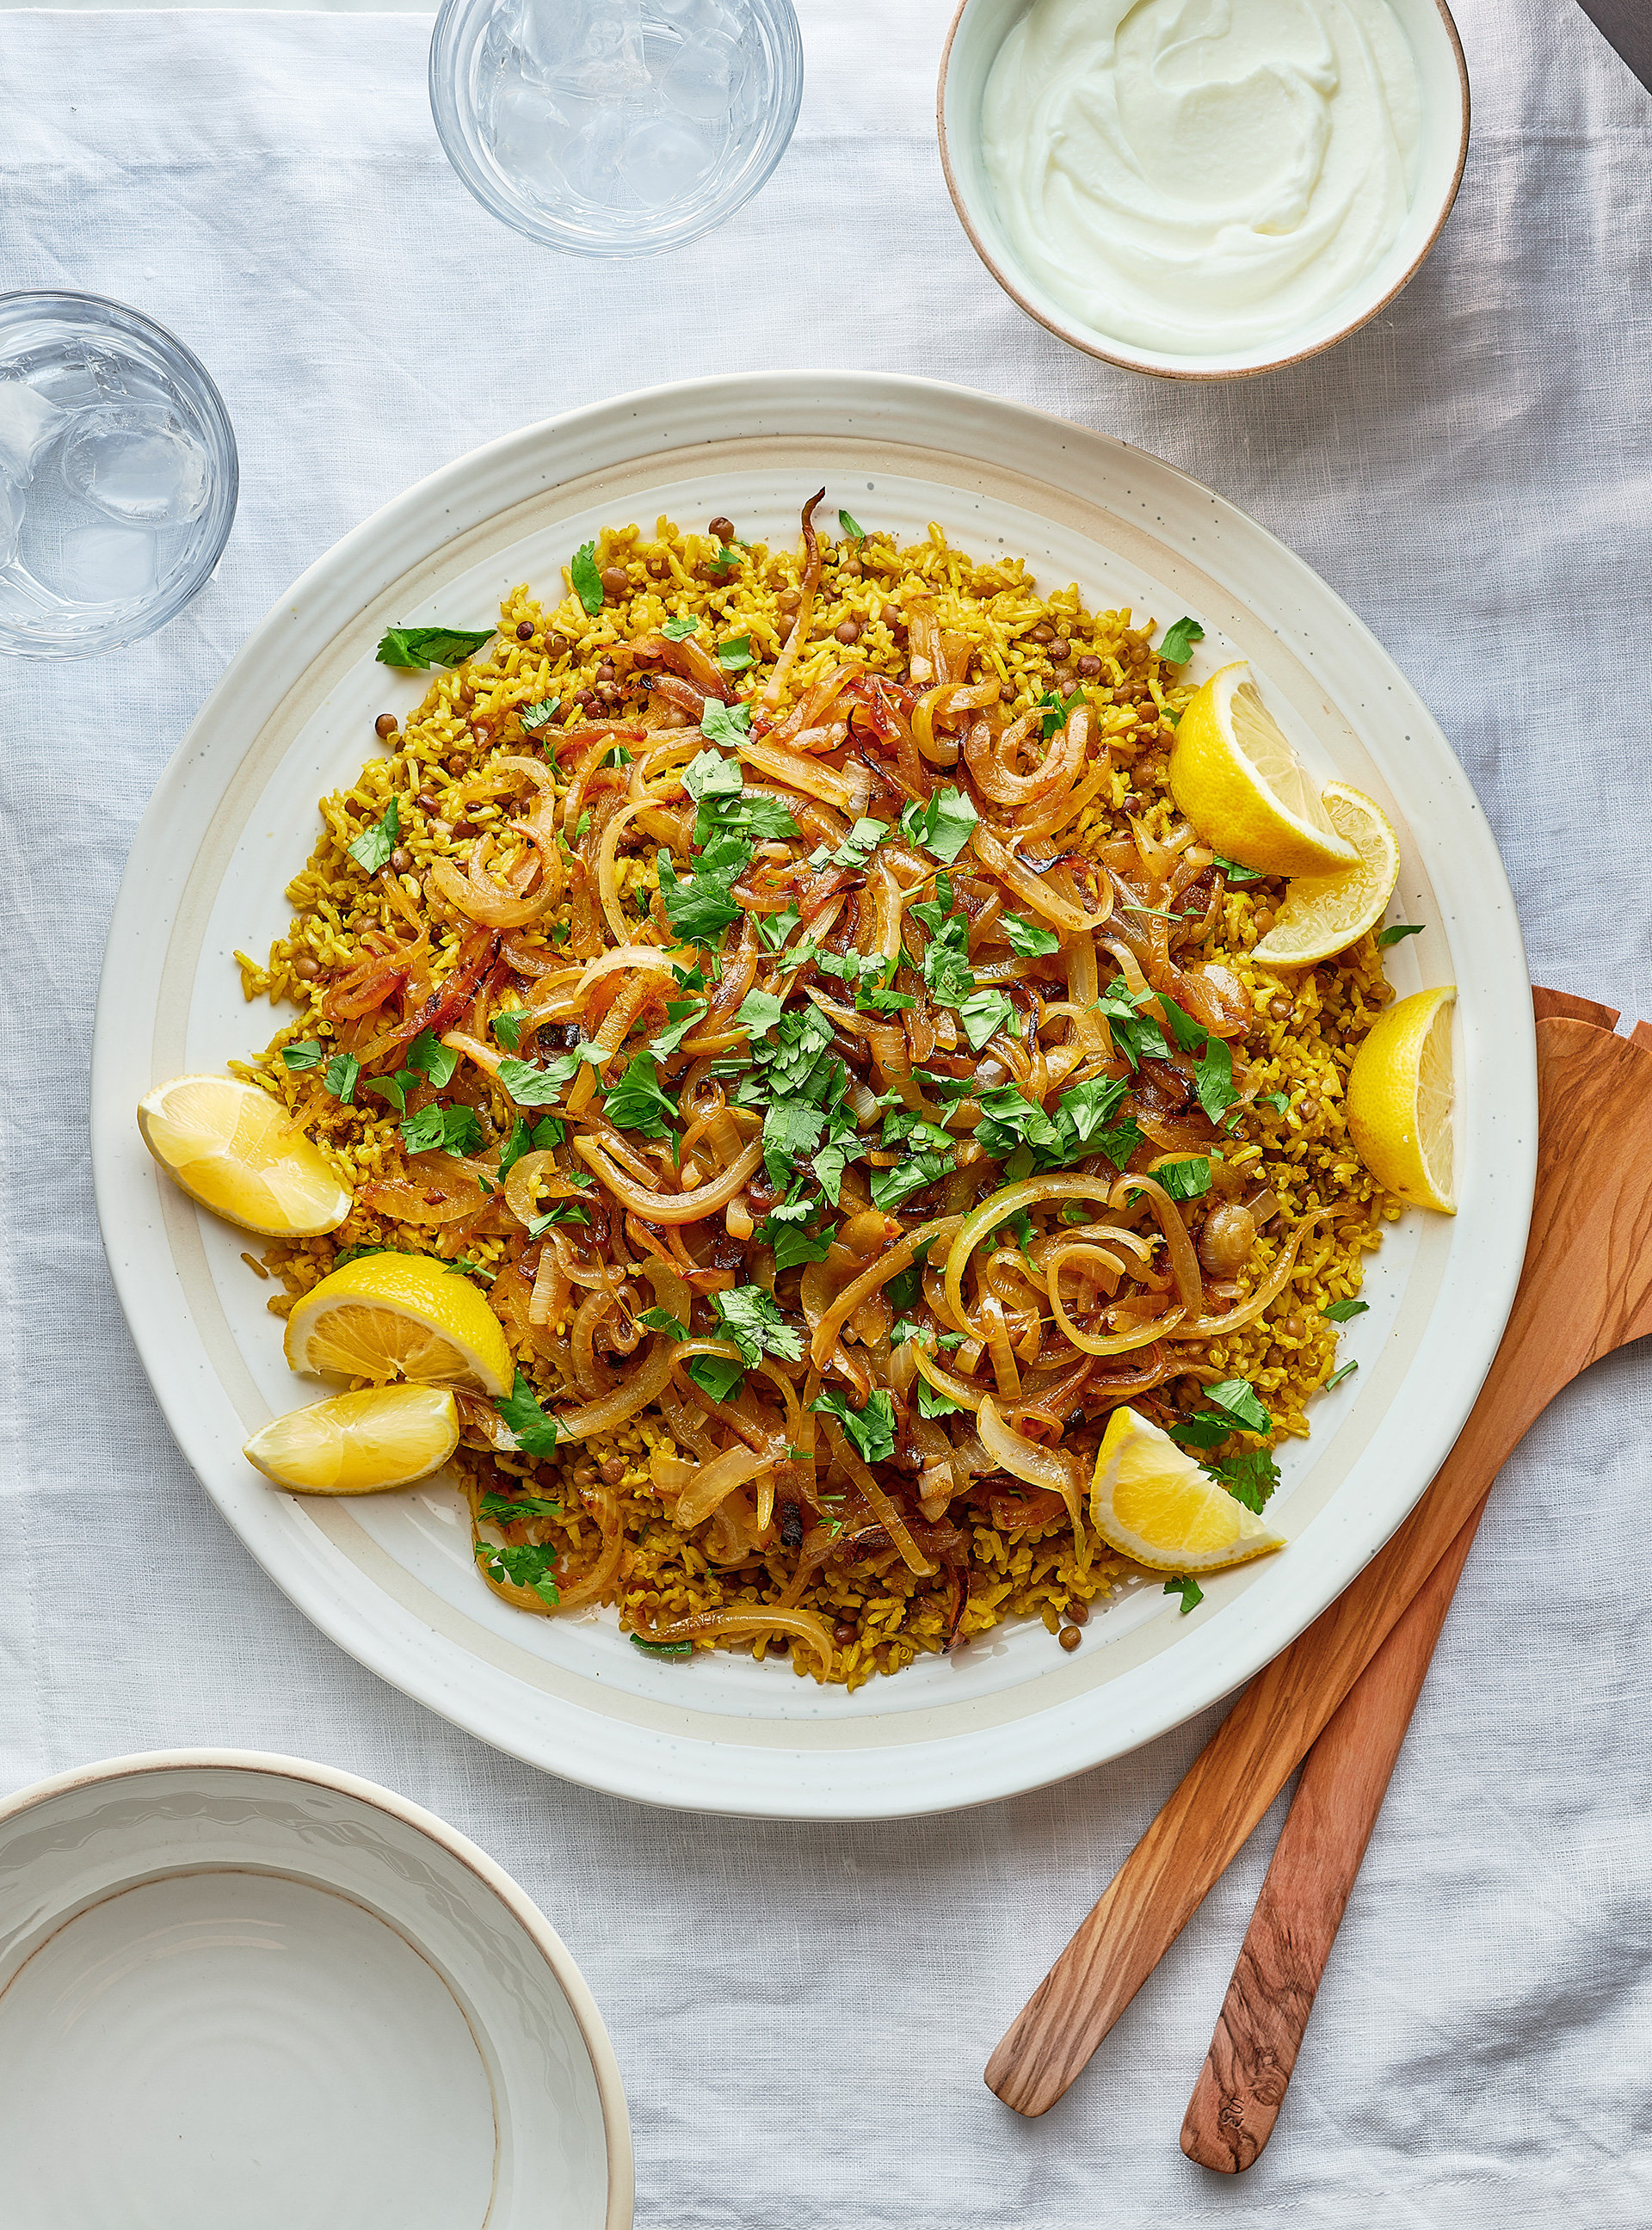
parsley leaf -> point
(662, 1320)
(1188, 1588)
(850, 526)
(536, 1087)
(505, 1510)
(1276, 1100)
(1234, 873)
(662, 1649)
(679, 627)
(1136, 1035)
(587, 581)
(942, 826)
(1178, 646)
(775, 928)
(1187, 1179)
(371, 851)
(793, 1248)
(984, 1013)
(515, 1146)
(1056, 709)
(1238, 1398)
(536, 1434)
(1249, 1478)
(340, 1078)
(1026, 939)
(856, 847)
(681, 1014)
(457, 1129)
(758, 1013)
(716, 1375)
(1212, 1059)
(540, 715)
(870, 1430)
(636, 1102)
(507, 1027)
(523, 1566)
(1339, 1311)
(431, 646)
(752, 1320)
(307, 1053)
(932, 1402)
(725, 723)
(1397, 929)
(431, 1058)
(560, 1211)
(890, 1187)
(699, 907)
(734, 653)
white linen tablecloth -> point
(801, 2013)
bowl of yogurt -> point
(1202, 189)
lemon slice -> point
(1244, 788)
(233, 1149)
(1152, 1502)
(359, 1443)
(400, 1316)
(1323, 914)
(1399, 1099)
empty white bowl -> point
(247, 1991)
(978, 32)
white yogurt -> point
(1202, 175)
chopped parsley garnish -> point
(1016, 1131)
(1397, 929)
(793, 1248)
(852, 527)
(716, 1374)
(515, 1146)
(430, 1057)
(463, 1265)
(454, 1130)
(307, 1053)
(1237, 1398)
(662, 1320)
(983, 1013)
(530, 1086)
(1234, 873)
(587, 581)
(758, 1013)
(1212, 1059)
(912, 1173)
(560, 1211)
(636, 1102)
(662, 1649)
(340, 1077)
(431, 646)
(943, 826)
(1056, 710)
(1179, 639)
(1136, 1035)
(681, 1014)
(932, 1402)
(856, 847)
(536, 1434)
(507, 1027)
(371, 849)
(1339, 1311)
(540, 715)
(1185, 1179)
(523, 1566)
(725, 723)
(775, 928)
(1188, 1588)
(506, 1509)
(1026, 939)
(1276, 1100)
(871, 1430)
(754, 1321)
(734, 653)
(1249, 1478)
(1337, 1376)
(679, 627)
(699, 907)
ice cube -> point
(104, 564)
(662, 158)
(29, 423)
(11, 511)
(586, 49)
(593, 162)
(705, 77)
(697, 19)
(139, 467)
(529, 136)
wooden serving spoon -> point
(1586, 1288)
(1241, 2088)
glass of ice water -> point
(118, 476)
(614, 127)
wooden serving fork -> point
(1585, 1289)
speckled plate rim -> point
(491, 1878)
(803, 1754)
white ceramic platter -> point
(245, 1990)
(389, 1578)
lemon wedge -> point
(1399, 1098)
(1152, 1502)
(359, 1443)
(1244, 788)
(400, 1316)
(1323, 914)
(233, 1149)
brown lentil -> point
(1089, 665)
(525, 630)
(848, 631)
(615, 583)
(723, 528)
(1069, 1637)
(400, 859)
(306, 968)
(384, 725)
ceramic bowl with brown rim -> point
(978, 32)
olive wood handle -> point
(1586, 1287)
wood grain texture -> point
(1586, 1288)
(1241, 2087)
